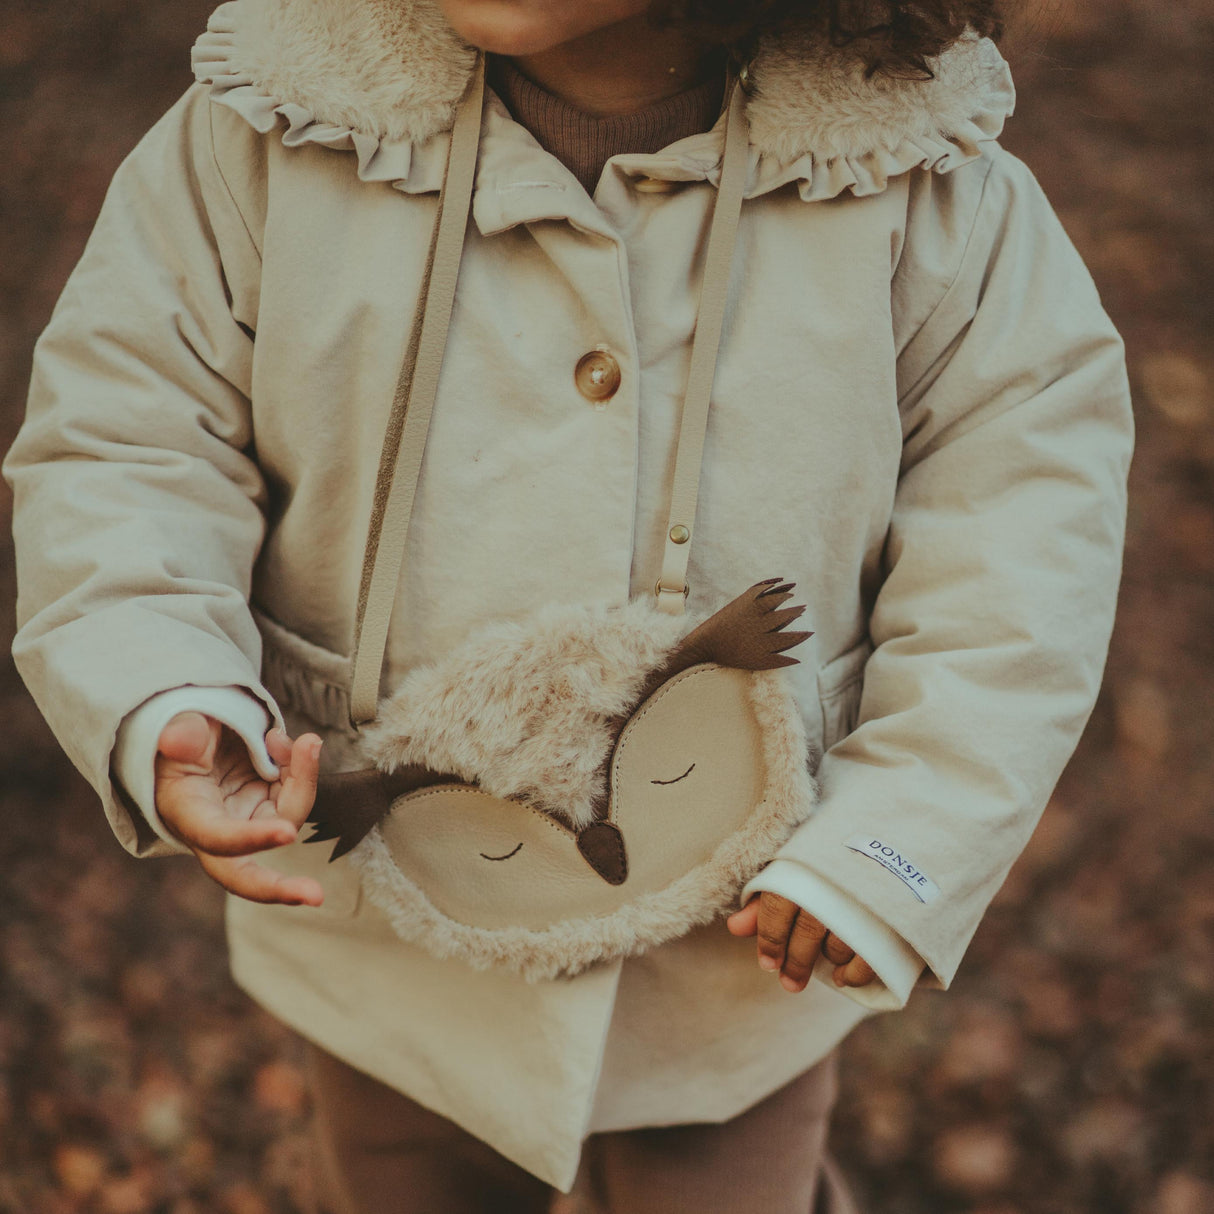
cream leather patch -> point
(707, 782)
(907, 871)
(688, 772)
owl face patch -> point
(578, 786)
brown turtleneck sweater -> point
(583, 142)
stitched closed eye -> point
(677, 778)
(507, 856)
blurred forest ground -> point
(1069, 1070)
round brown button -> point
(597, 376)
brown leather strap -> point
(409, 421)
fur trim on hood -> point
(371, 72)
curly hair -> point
(895, 37)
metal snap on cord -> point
(679, 534)
(659, 589)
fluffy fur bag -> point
(580, 785)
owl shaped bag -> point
(588, 781)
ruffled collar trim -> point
(381, 78)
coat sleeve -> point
(1001, 568)
(139, 508)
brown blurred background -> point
(1070, 1068)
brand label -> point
(898, 863)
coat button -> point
(597, 376)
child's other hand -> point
(790, 940)
(209, 795)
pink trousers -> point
(381, 1153)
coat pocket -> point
(304, 678)
(308, 682)
(840, 685)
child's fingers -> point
(857, 972)
(298, 792)
(248, 879)
(206, 827)
(278, 744)
(776, 916)
(745, 922)
(833, 949)
(801, 955)
(190, 739)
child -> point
(919, 415)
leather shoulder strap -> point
(671, 587)
(409, 420)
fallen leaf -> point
(80, 1169)
(974, 1159)
(1176, 386)
(279, 1087)
(1182, 1193)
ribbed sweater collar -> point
(583, 142)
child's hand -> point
(790, 940)
(210, 796)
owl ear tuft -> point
(349, 803)
(749, 633)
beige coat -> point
(920, 416)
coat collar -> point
(382, 77)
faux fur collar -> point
(393, 70)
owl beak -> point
(602, 846)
